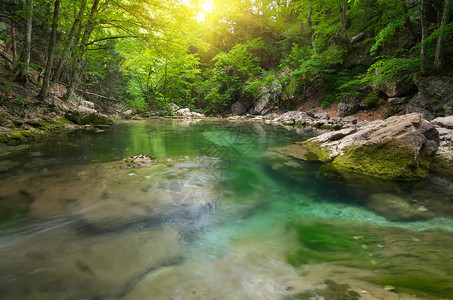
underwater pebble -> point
(389, 288)
(415, 239)
(364, 292)
(147, 177)
(131, 174)
(422, 209)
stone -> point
(268, 98)
(397, 88)
(87, 104)
(186, 113)
(138, 161)
(396, 208)
(262, 105)
(357, 38)
(436, 86)
(348, 105)
(413, 108)
(238, 109)
(174, 107)
(127, 112)
(398, 100)
(89, 118)
(446, 122)
(400, 147)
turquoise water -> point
(216, 218)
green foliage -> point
(232, 70)
(390, 30)
(385, 70)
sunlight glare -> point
(206, 7)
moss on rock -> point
(316, 150)
(17, 137)
(389, 160)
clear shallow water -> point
(212, 220)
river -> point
(214, 218)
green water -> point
(214, 219)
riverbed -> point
(212, 219)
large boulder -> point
(443, 161)
(238, 108)
(435, 97)
(400, 147)
(89, 117)
(348, 105)
(397, 88)
(268, 98)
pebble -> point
(389, 288)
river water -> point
(215, 218)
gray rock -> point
(262, 104)
(174, 107)
(412, 108)
(357, 38)
(89, 118)
(436, 86)
(238, 108)
(399, 147)
(446, 122)
(396, 208)
(398, 100)
(348, 105)
(399, 87)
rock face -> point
(443, 161)
(238, 108)
(269, 97)
(348, 105)
(400, 147)
(397, 88)
(435, 97)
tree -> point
(439, 57)
(90, 24)
(50, 52)
(75, 31)
(25, 56)
(424, 25)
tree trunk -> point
(13, 42)
(439, 58)
(408, 21)
(344, 30)
(86, 36)
(75, 29)
(50, 53)
(25, 57)
(424, 25)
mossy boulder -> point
(89, 118)
(399, 148)
(18, 137)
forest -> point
(209, 54)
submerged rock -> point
(138, 161)
(396, 208)
(401, 147)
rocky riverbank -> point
(401, 147)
